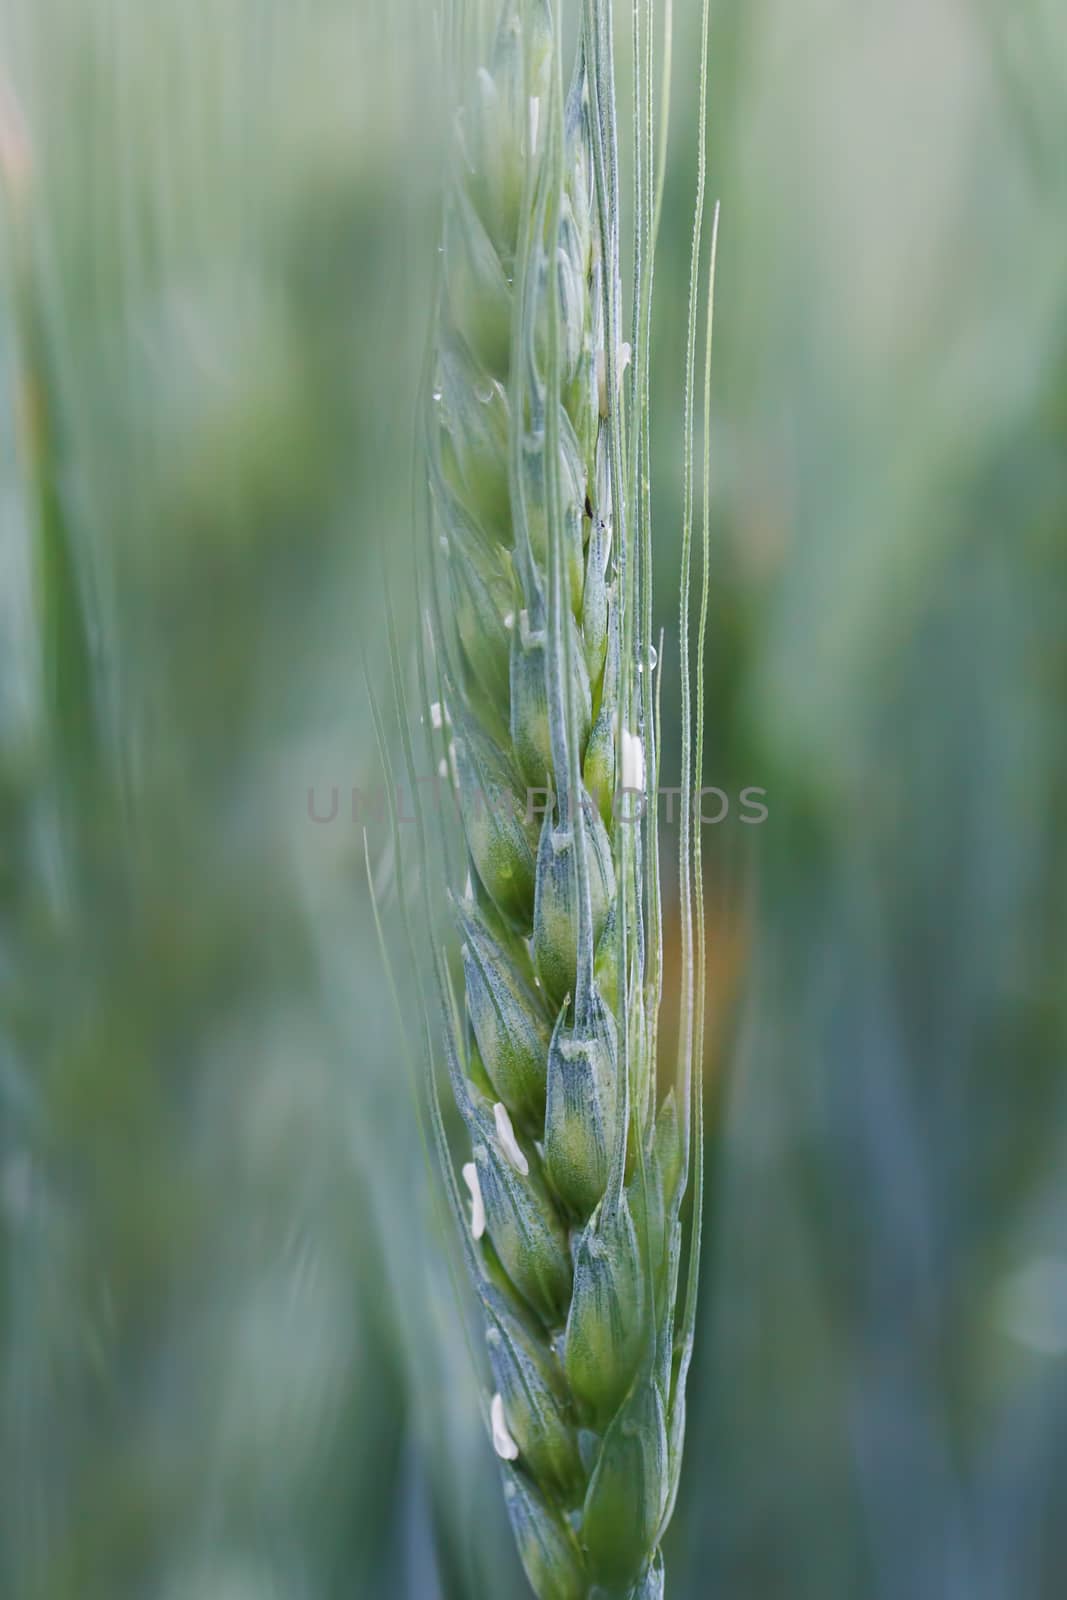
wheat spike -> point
(577, 1165)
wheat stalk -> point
(541, 617)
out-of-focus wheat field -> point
(233, 1365)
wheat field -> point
(244, 1354)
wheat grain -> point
(578, 1166)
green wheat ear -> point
(577, 1160)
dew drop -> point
(653, 658)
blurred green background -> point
(232, 1366)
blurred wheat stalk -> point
(207, 370)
